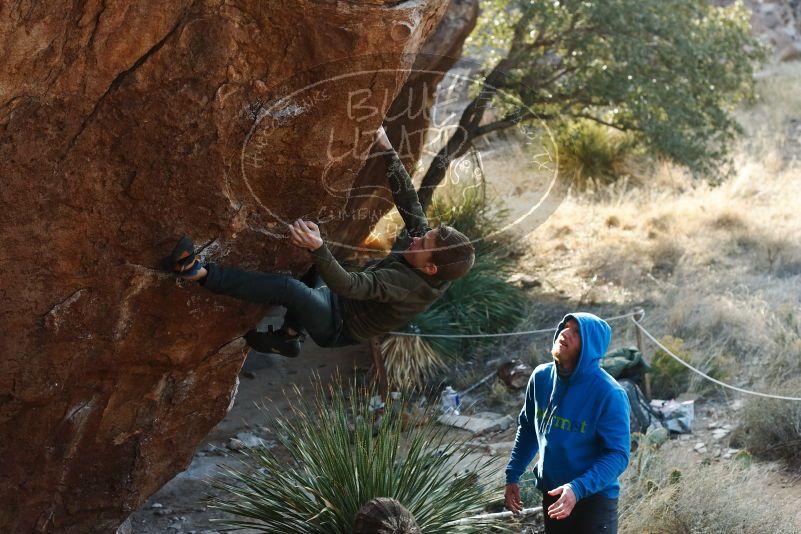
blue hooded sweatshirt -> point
(579, 425)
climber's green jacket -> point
(388, 294)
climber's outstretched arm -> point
(403, 192)
(380, 285)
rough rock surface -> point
(778, 24)
(408, 120)
(123, 125)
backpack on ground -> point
(642, 415)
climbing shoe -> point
(182, 260)
(275, 342)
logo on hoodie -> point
(563, 423)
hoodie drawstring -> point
(547, 419)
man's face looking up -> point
(420, 251)
(567, 347)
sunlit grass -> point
(716, 265)
(592, 155)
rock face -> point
(123, 125)
(778, 24)
(409, 119)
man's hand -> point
(512, 497)
(305, 234)
(564, 505)
(381, 139)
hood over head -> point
(595, 337)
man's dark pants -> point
(591, 515)
(314, 309)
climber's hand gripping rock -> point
(381, 139)
(305, 234)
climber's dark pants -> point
(595, 514)
(314, 309)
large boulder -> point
(123, 125)
(408, 125)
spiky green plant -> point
(438, 321)
(468, 208)
(482, 302)
(341, 459)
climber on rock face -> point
(334, 306)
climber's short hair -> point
(453, 255)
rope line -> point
(633, 315)
(506, 334)
(703, 374)
(636, 316)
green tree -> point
(668, 71)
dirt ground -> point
(178, 506)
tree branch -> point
(506, 122)
(621, 127)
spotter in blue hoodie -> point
(580, 426)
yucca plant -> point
(409, 361)
(468, 208)
(341, 459)
(482, 302)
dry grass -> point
(592, 155)
(717, 266)
(669, 378)
(772, 428)
(714, 499)
(410, 361)
(662, 497)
